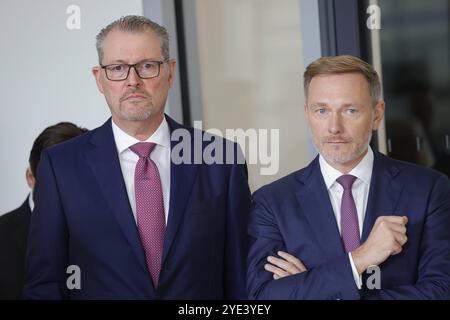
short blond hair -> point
(341, 65)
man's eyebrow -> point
(114, 62)
(318, 104)
(323, 104)
(120, 61)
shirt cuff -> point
(356, 276)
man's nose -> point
(335, 124)
(133, 78)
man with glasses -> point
(112, 207)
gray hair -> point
(134, 24)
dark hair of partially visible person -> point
(50, 136)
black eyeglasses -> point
(145, 70)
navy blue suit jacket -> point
(294, 214)
(83, 217)
(13, 246)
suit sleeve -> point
(239, 199)
(433, 281)
(47, 240)
(331, 280)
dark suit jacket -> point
(294, 214)
(13, 243)
(83, 217)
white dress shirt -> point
(160, 155)
(31, 200)
(360, 192)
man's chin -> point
(136, 113)
(142, 116)
(341, 157)
(338, 158)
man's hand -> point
(387, 237)
(285, 266)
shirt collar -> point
(31, 200)
(362, 171)
(123, 140)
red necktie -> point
(349, 216)
(151, 221)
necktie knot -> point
(143, 149)
(346, 181)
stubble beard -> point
(136, 112)
(335, 157)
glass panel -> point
(415, 54)
(251, 78)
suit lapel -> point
(182, 178)
(315, 202)
(384, 192)
(104, 162)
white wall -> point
(46, 77)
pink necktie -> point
(349, 216)
(149, 208)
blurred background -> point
(240, 65)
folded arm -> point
(332, 279)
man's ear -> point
(29, 176)
(378, 115)
(305, 108)
(171, 64)
(97, 72)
